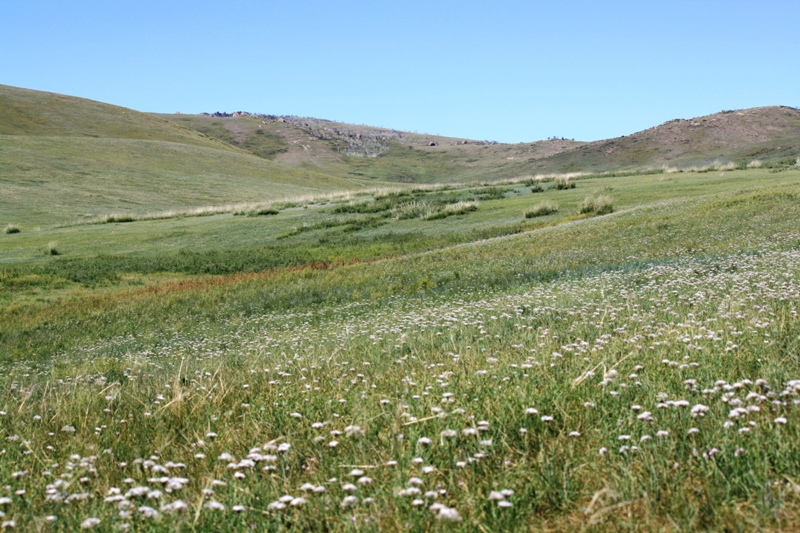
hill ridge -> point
(729, 135)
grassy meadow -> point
(414, 358)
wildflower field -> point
(637, 369)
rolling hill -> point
(361, 152)
(65, 159)
(604, 352)
(761, 133)
(364, 153)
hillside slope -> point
(63, 159)
(367, 153)
(756, 133)
(27, 112)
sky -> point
(509, 71)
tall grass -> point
(547, 207)
(458, 208)
(599, 205)
(563, 182)
(551, 377)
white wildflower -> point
(89, 523)
(214, 506)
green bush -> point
(537, 187)
(491, 193)
(544, 208)
(11, 229)
(119, 218)
(264, 211)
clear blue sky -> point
(504, 70)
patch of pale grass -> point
(721, 166)
(460, 208)
(600, 205)
(541, 209)
(564, 182)
(415, 209)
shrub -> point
(51, 249)
(602, 205)
(11, 229)
(563, 182)
(755, 163)
(110, 219)
(263, 211)
(537, 187)
(492, 193)
(544, 208)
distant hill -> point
(763, 133)
(369, 154)
(365, 153)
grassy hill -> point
(37, 113)
(65, 159)
(369, 154)
(764, 134)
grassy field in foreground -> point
(632, 371)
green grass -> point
(577, 312)
(428, 345)
(65, 159)
(57, 180)
(248, 135)
(37, 113)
